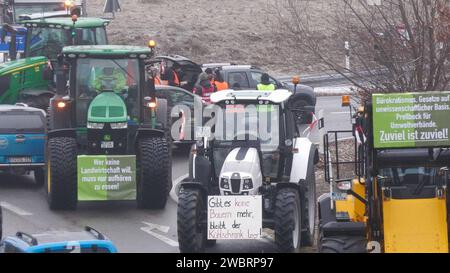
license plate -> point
(107, 145)
(22, 159)
(339, 196)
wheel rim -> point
(296, 231)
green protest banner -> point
(407, 120)
(106, 177)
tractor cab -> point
(31, 80)
(108, 92)
(47, 37)
(245, 123)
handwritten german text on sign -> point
(234, 217)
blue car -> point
(87, 241)
(22, 141)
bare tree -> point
(397, 46)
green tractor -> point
(30, 79)
(108, 133)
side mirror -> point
(303, 115)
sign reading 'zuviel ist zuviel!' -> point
(403, 120)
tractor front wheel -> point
(153, 164)
(288, 226)
(62, 173)
(191, 221)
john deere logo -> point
(107, 137)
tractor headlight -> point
(225, 183)
(119, 125)
(248, 184)
(344, 185)
(95, 125)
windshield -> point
(21, 122)
(49, 42)
(410, 176)
(94, 76)
(91, 36)
(248, 123)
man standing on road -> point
(265, 84)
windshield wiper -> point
(124, 70)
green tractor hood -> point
(22, 64)
(107, 107)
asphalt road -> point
(132, 230)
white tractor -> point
(254, 147)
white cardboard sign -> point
(234, 217)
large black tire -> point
(61, 175)
(342, 244)
(288, 231)
(191, 213)
(41, 101)
(309, 204)
(153, 164)
(39, 177)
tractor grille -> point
(99, 111)
(235, 185)
(115, 111)
(119, 137)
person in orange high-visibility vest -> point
(170, 76)
(158, 80)
(219, 82)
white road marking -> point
(151, 228)
(15, 209)
(161, 228)
(174, 191)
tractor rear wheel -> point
(191, 221)
(288, 224)
(39, 177)
(62, 173)
(342, 244)
(153, 164)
